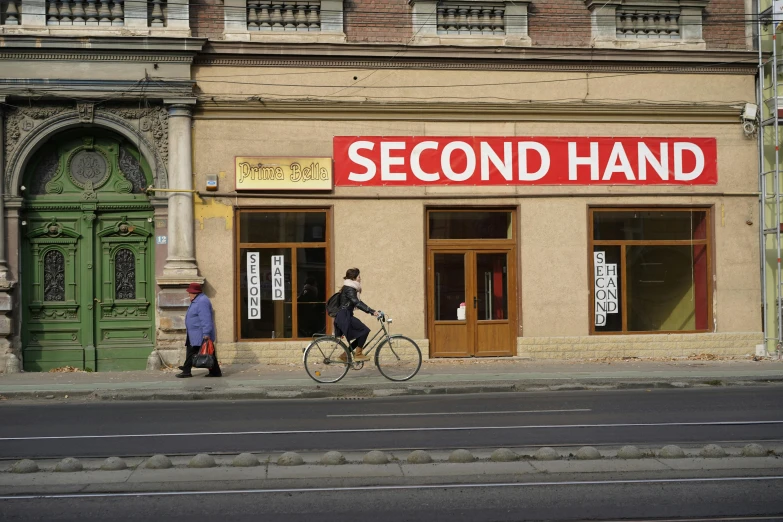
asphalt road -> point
(747, 498)
(443, 422)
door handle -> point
(475, 301)
(97, 300)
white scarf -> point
(354, 284)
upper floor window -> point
(470, 22)
(280, 20)
(74, 17)
(648, 24)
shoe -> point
(359, 356)
(181, 368)
(183, 375)
(343, 357)
(214, 375)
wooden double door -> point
(88, 270)
(89, 291)
(472, 302)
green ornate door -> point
(88, 257)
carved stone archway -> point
(63, 119)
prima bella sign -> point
(285, 174)
(475, 161)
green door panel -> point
(87, 258)
(124, 290)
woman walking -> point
(345, 323)
(199, 326)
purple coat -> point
(199, 320)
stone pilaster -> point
(9, 360)
(181, 259)
(177, 223)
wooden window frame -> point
(461, 243)
(708, 241)
(239, 245)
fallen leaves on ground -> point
(66, 369)
(703, 357)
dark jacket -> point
(349, 300)
(345, 323)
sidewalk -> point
(436, 377)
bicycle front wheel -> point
(322, 360)
(398, 358)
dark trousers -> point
(357, 333)
(190, 351)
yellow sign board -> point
(263, 173)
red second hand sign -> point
(410, 161)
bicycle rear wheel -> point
(322, 360)
(398, 358)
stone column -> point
(9, 362)
(177, 223)
(181, 259)
(3, 235)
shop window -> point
(282, 265)
(650, 270)
(454, 224)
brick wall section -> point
(559, 23)
(206, 19)
(724, 26)
(378, 21)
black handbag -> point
(205, 358)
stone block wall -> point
(280, 352)
(643, 346)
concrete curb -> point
(347, 391)
(377, 458)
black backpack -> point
(333, 304)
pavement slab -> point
(438, 376)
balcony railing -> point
(87, 12)
(9, 12)
(475, 19)
(263, 15)
(132, 17)
(635, 24)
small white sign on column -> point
(606, 299)
(253, 286)
(278, 278)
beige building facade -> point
(674, 305)
(121, 129)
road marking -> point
(455, 413)
(392, 430)
(392, 488)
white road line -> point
(392, 488)
(391, 430)
(455, 413)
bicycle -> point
(397, 357)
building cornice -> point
(142, 45)
(460, 111)
(259, 54)
(96, 89)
